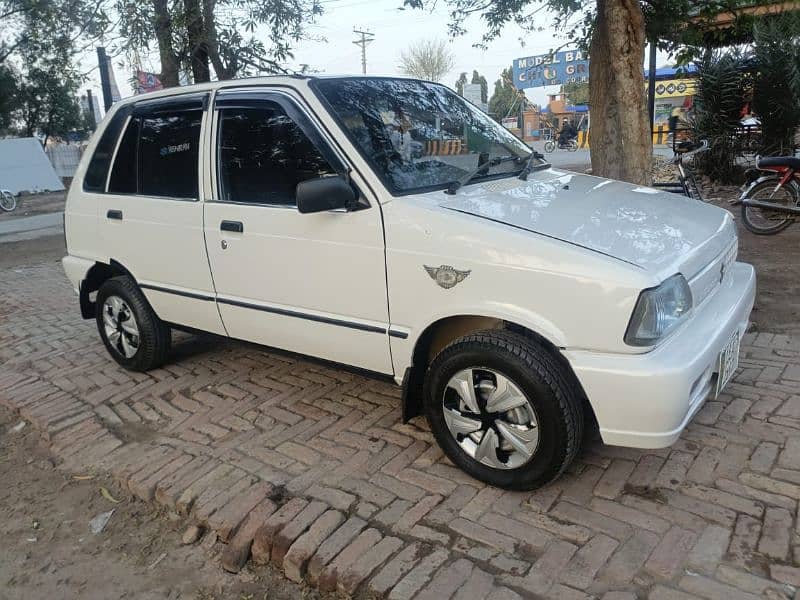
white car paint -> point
(564, 255)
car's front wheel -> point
(132, 333)
(503, 409)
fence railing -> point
(64, 158)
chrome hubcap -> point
(490, 418)
(120, 326)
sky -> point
(394, 30)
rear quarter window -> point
(97, 172)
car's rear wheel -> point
(503, 409)
(133, 334)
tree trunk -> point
(223, 70)
(621, 142)
(169, 60)
(198, 48)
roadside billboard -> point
(568, 66)
(675, 88)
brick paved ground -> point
(310, 468)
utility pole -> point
(651, 84)
(366, 38)
(105, 82)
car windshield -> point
(420, 136)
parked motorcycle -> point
(571, 145)
(770, 202)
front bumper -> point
(646, 400)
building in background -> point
(90, 104)
(473, 93)
(674, 88)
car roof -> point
(290, 80)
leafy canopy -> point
(673, 22)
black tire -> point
(549, 146)
(154, 337)
(546, 384)
(766, 222)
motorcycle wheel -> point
(573, 146)
(549, 146)
(763, 221)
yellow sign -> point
(674, 88)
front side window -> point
(418, 135)
(263, 154)
(168, 154)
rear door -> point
(309, 283)
(151, 219)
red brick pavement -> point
(310, 467)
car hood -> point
(654, 230)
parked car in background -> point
(513, 302)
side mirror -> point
(324, 193)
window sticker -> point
(166, 150)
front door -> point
(308, 283)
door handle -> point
(114, 214)
(236, 226)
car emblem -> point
(446, 276)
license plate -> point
(728, 362)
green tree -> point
(720, 93)
(218, 35)
(460, 83)
(776, 86)
(48, 105)
(45, 27)
(9, 97)
(576, 93)
(615, 33)
(506, 98)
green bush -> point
(722, 84)
(776, 82)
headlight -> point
(658, 310)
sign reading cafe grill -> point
(568, 66)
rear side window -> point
(158, 156)
(168, 154)
(97, 172)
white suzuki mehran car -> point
(391, 226)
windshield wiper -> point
(529, 166)
(454, 186)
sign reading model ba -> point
(568, 66)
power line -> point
(366, 38)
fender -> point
(404, 349)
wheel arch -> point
(98, 274)
(441, 332)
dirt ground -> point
(36, 204)
(49, 552)
(775, 258)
